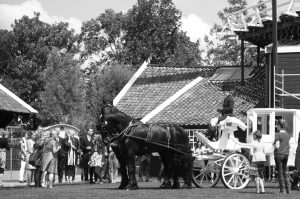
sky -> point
(198, 16)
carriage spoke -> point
(241, 164)
(231, 162)
(240, 180)
(236, 161)
(228, 174)
(243, 169)
(230, 179)
(235, 181)
(198, 175)
(202, 178)
(227, 167)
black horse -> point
(130, 138)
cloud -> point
(8, 13)
(195, 27)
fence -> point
(13, 155)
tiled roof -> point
(8, 103)
(231, 74)
(195, 107)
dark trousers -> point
(282, 169)
(37, 176)
(70, 171)
(296, 176)
(85, 166)
(61, 165)
(93, 174)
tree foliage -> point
(186, 53)
(62, 100)
(151, 31)
(105, 33)
(25, 49)
(104, 85)
(227, 50)
(151, 28)
(24, 52)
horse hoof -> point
(123, 186)
(185, 186)
(176, 186)
(164, 186)
(134, 187)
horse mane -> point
(115, 112)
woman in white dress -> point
(23, 144)
(29, 168)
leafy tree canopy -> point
(227, 50)
(24, 52)
(151, 28)
(62, 100)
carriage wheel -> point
(234, 171)
(206, 174)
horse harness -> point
(125, 133)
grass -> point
(147, 190)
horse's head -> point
(111, 122)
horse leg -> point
(166, 162)
(176, 169)
(187, 166)
(123, 169)
(176, 184)
(132, 185)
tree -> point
(24, 52)
(186, 53)
(227, 50)
(151, 31)
(104, 35)
(62, 101)
(104, 85)
(148, 29)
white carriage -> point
(63, 130)
(227, 158)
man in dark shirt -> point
(62, 155)
(86, 145)
(228, 105)
(281, 154)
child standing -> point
(259, 158)
(113, 165)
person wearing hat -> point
(258, 156)
(228, 105)
(281, 153)
(3, 147)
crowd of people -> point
(56, 157)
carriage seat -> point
(227, 141)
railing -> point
(254, 15)
(281, 88)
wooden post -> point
(274, 54)
(242, 61)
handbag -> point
(33, 159)
(95, 160)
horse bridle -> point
(111, 132)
